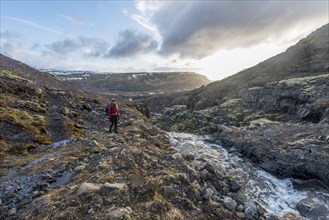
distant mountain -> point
(137, 83)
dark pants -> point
(114, 121)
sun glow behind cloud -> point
(227, 62)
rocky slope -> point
(309, 57)
(281, 124)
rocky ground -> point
(135, 174)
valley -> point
(252, 146)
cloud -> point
(10, 42)
(198, 29)
(88, 47)
(77, 20)
(32, 24)
(132, 43)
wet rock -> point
(272, 217)
(88, 187)
(251, 211)
(235, 185)
(240, 208)
(230, 204)
(312, 209)
(0, 202)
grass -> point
(12, 75)
(33, 106)
(29, 122)
(74, 131)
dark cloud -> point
(88, 47)
(199, 28)
(132, 43)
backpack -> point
(106, 109)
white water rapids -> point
(276, 196)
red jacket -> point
(113, 111)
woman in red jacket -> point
(113, 113)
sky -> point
(213, 38)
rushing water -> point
(275, 195)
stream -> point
(276, 196)
(306, 198)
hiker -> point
(113, 114)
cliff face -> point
(304, 98)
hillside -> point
(309, 57)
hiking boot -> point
(110, 131)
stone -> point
(12, 212)
(114, 186)
(0, 202)
(235, 185)
(311, 209)
(177, 156)
(272, 217)
(79, 168)
(251, 211)
(207, 194)
(93, 144)
(88, 187)
(117, 214)
(240, 215)
(230, 203)
(240, 208)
